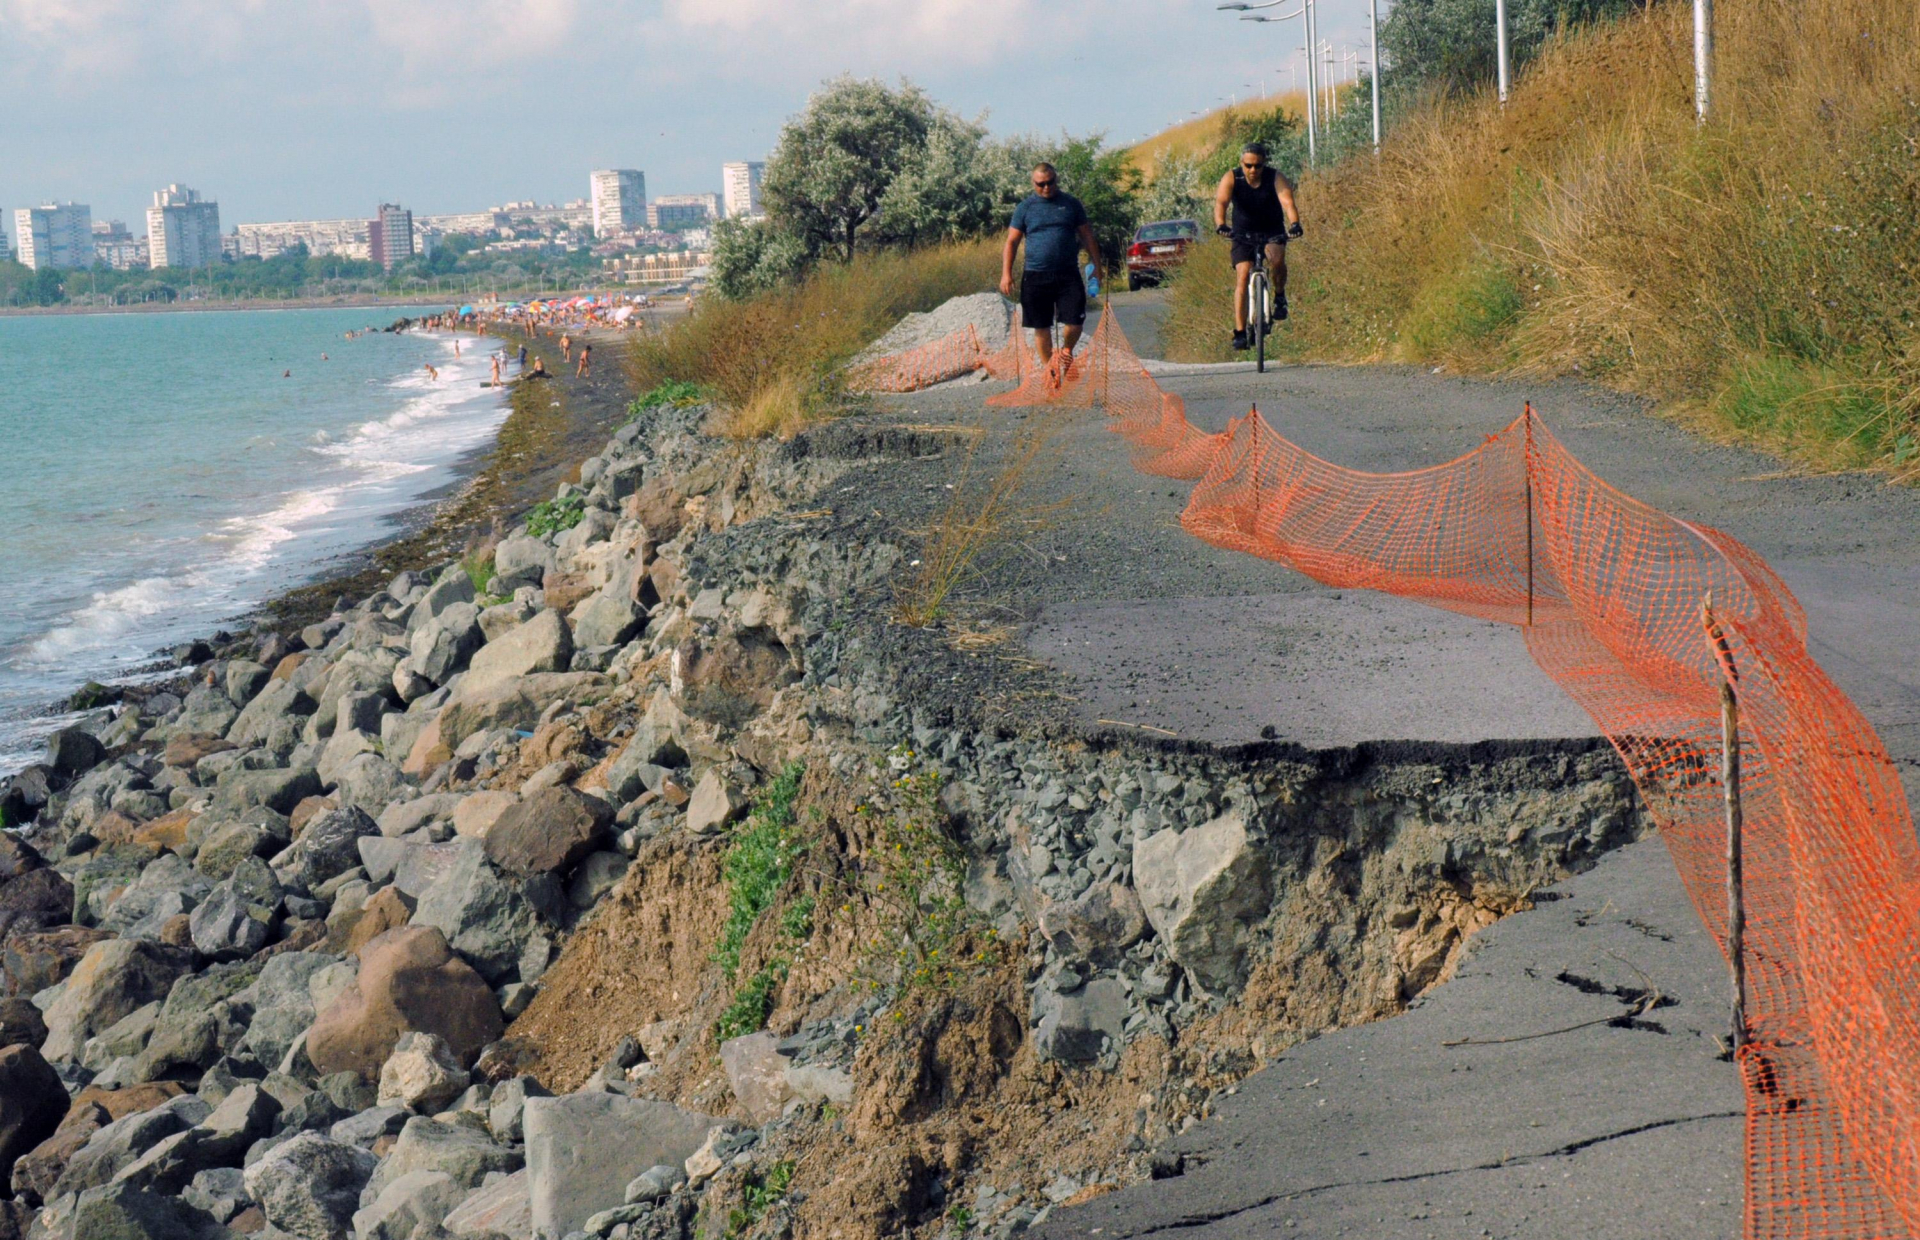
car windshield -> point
(1171, 230)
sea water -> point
(165, 473)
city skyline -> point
(444, 106)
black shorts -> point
(1243, 246)
(1046, 300)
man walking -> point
(1054, 226)
(1263, 214)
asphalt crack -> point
(1564, 1151)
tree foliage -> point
(1449, 44)
(837, 159)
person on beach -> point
(586, 351)
(539, 370)
(523, 357)
(325, 358)
(286, 374)
(432, 373)
(456, 348)
(566, 348)
(496, 370)
(1054, 226)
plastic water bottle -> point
(1093, 281)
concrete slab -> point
(1551, 1122)
(1322, 669)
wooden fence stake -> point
(1730, 787)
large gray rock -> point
(72, 752)
(507, 1107)
(282, 1002)
(407, 1202)
(457, 1147)
(370, 782)
(443, 645)
(422, 1073)
(1099, 926)
(280, 700)
(481, 911)
(128, 1212)
(113, 979)
(512, 703)
(198, 1015)
(453, 586)
(309, 1187)
(169, 1165)
(584, 1149)
(278, 788)
(329, 845)
(116, 1146)
(502, 1208)
(1204, 889)
(608, 617)
(166, 888)
(245, 679)
(518, 562)
(1082, 1026)
(542, 644)
(234, 920)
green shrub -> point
(552, 516)
(677, 393)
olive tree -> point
(836, 160)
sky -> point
(319, 109)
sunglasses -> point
(1251, 166)
(1046, 184)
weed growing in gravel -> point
(761, 1193)
(677, 393)
(479, 572)
(981, 518)
(551, 516)
(758, 867)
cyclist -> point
(1262, 202)
(1054, 226)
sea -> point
(163, 474)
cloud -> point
(817, 39)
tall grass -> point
(772, 361)
(1758, 273)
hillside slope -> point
(1757, 274)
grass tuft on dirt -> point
(1758, 274)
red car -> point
(1157, 248)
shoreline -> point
(363, 301)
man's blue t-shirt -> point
(1053, 232)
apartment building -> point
(56, 235)
(183, 229)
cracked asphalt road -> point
(1604, 1131)
(1622, 1128)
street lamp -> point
(1305, 12)
(1500, 48)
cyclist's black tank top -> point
(1257, 210)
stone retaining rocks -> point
(32, 1103)
(584, 1149)
(542, 644)
(1203, 889)
(113, 979)
(310, 1186)
(550, 830)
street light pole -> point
(1500, 48)
(1373, 33)
(1702, 58)
(1305, 13)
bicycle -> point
(1260, 295)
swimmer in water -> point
(496, 370)
(432, 373)
(286, 374)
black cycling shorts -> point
(1243, 247)
(1048, 299)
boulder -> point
(584, 1149)
(542, 644)
(17, 857)
(502, 1208)
(406, 817)
(196, 1016)
(409, 980)
(113, 979)
(370, 782)
(278, 702)
(1083, 1025)
(282, 1002)
(128, 1212)
(166, 888)
(329, 846)
(609, 617)
(33, 960)
(185, 749)
(384, 911)
(456, 1146)
(230, 843)
(342, 747)
(520, 561)
(507, 1107)
(1204, 889)
(21, 1024)
(731, 678)
(599, 873)
(221, 1192)
(229, 924)
(757, 1071)
(454, 586)
(414, 1199)
(245, 679)
(309, 1187)
(483, 913)
(422, 1074)
(37, 900)
(550, 830)
(476, 814)
(364, 1128)
(511, 703)
(1099, 926)
(443, 645)
(32, 1104)
(120, 1143)
(714, 804)
(277, 788)
(72, 752)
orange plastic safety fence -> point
(1608, 593)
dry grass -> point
(984, 514)
(772, 361)
(1197, 136)
(1759, 274)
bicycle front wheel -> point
(1258, 312)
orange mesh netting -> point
(1609, 595)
